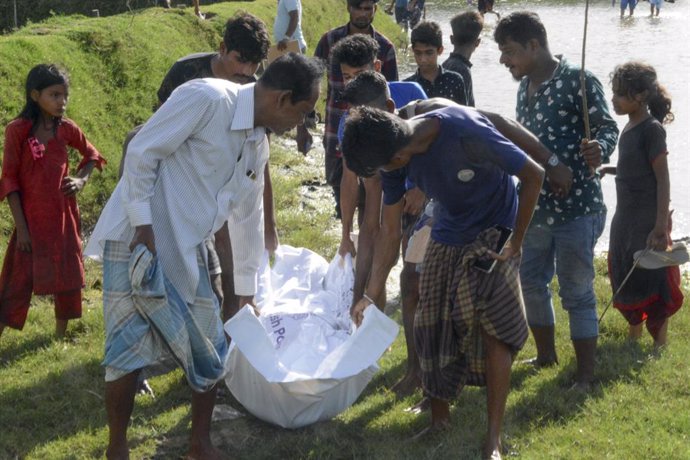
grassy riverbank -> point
(51, 392)
(117, 63)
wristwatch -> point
(553, 160)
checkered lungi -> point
(149, 327)
(456, 303)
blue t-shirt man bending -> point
(467, 320)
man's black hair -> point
(521, 27)
(368, 88)
(427, 33)
(356, 3)
(466, 27)
(371, 139)
(247, 34)
(355, 50)
(294, 72)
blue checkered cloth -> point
(150, 327)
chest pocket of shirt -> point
(251, 162)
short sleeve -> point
(393, 184)
(181, 72)
(188, 68)
(417, 92)
(291, 5)
(404, 92)
(169, 83)
(654, 141)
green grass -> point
(51, 401)
(51, 391)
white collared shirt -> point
(196, 163)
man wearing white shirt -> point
(196, 163)
(288, 24)
(245, 44)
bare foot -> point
(406, 385)
(205, 452)
(431, 430)
(539, 364)
(60, 328)
(117, 453)
(492, 449)
(492, 453)
(421, 406)
(581, 387)
(658, 350)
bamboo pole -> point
(583, 85)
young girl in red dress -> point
(642, 218)
(44, 252)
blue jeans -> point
(568, 251)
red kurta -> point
(55, 262)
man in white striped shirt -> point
(195, 164)
(245, 44)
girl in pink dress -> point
(44, 253)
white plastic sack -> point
(340, 281)
(301, 360)
(296, 273)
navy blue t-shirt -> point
(467, 171)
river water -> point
(661, 42)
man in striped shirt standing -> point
(245, 44)
(361, 17)
(195, 164)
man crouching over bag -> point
(469, 322)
